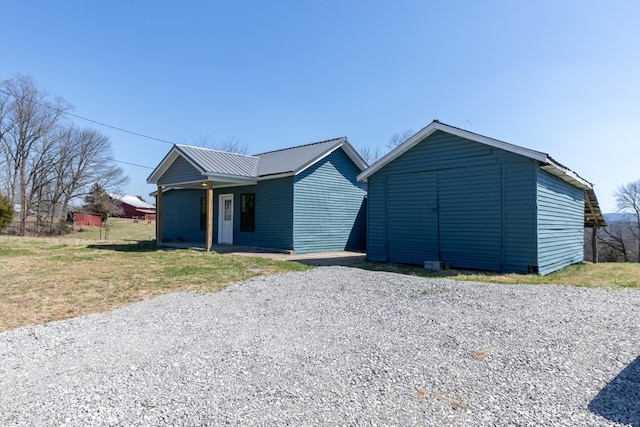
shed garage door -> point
(412, 218)
(470, 217)
(452, 215)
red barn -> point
(132, 207)
(86, 219)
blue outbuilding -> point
(302, 199)
(450, 197)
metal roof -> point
(133, 201)
(296, 159)
(220, 162)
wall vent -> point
(433, 265)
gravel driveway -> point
(335, 346)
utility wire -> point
(91, 120)
(133, 164)
(118, 129)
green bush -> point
(6, 211)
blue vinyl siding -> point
(519, 175)
(470, 216)
(485, 204)
(180, 171)
(377, 218)
(273, 214)
(329, 206)
(181, 215)
(560, 223)
(413, 233)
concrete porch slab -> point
(319, 258)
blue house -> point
(302, 199)
(449, 197)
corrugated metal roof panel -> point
(295, 158)
(132, 201)
(221, 162)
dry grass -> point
(50, 279)
(118, 229)
(480, 354)
(459, 404)
(608, 275)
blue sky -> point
(562, 77)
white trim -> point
(166, 163)
(435, 126)
(348, 150)
(220, 218)
(231, 185)
(186, 184)
(547, 163)
(355, 156)
(275, 176)
(567, 175)
(316, 160)
(231, 179)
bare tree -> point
(230, 145)
(81, 157)
(90, 162)
(628, 200)
(371, 154)
(617, 241)
(29, 117)
(44, 161)
(398, 138)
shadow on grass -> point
(619, 401)
(135, 246)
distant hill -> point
(618, 216)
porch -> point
(318, 258)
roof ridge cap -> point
(302, 145)
(438, 122)
(253, 156)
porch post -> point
(594, 243)
(209, 227)
(159, 215)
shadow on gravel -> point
(619, 401)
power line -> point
(92, 121)
(119, 129)
(98, 123)
(133, 164)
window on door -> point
(248, 212)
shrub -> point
(6, 211)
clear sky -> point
(561, 77)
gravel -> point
(335, 346)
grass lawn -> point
(45, 279)
(118, 229)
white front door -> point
(225, 219)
